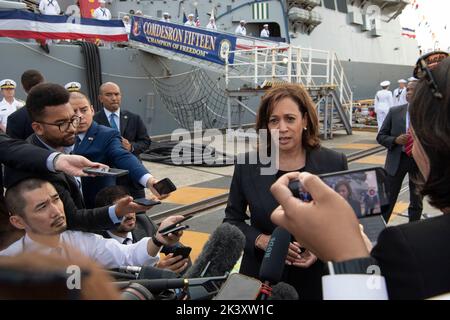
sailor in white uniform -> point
(400, 93)
(49, 7)
(190, 22)
(9, 104)
(241, 30)
(383, 102)
(102, 13)
(166, 17)
(265, 33)
(211, 24)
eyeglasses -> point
(425, 65)
(64, 126)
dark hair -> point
(346, 184)
(31, 78)
(108, 195)
(310, 137)
(430, 119)
(14, 199)
(45, 95)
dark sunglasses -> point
(425, 65)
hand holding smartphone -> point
(146, 202)
(105, 172)
(164, 186)
(174, 227)
(174, 230)
(182, 251)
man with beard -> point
(54, 123)
(35, 206)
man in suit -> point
(19, 122)
(104, 144)
(55, 123)
(135, 227)
(394, 136)
(132, 129)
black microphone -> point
(148, 272)
(156, 285)
(273, 263)
(283, 291)
(220, 253)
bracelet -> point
(54, 162)
(157, 242)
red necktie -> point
(409, 144)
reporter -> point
(414, 258)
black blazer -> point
(132, 128)
(250, 188)
(393, 126)
(78, 218)
(19, 124)
(414, 258)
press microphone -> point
(220, 253)
(157, 285)
(273, 262)
(130, 269)
(148, 272)
(283, 291)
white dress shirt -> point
(240, 31)
(108, 116)
(107, 252)
(121, 240)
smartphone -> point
(165, 186)
(175, 224)
(108, 172)
(364, 189)
(182, 251)
(239, 287)
(174, 230)
(146, 202)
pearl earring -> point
(305, 128)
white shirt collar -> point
(66, 150)
(120, 239)
(108, 113)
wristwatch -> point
(354, 266)
(157, 242)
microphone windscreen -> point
(149, 272)
(283, 291)
(273, 263)
(223, 249)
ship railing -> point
(338, 76)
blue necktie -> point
(112, 121)
(77, 142)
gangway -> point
(257, 65)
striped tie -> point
(409, 144)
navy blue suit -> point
(103, 144)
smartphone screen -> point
(239, 287)
(182, 251)
(364, 189)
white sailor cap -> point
(7, 84)
(412, 79)
(166, 14)
(73, 86)
(191, 15)
(402, 81)
(242, 21)
(101, 1)
(265, 25)
(385, 83)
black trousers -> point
(408, 166)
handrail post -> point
(289, 66)
(256, 67)
(333, 56)
(273, 64)
(309, 67)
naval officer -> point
(9, 104)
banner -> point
(28, 25)
(194, 42)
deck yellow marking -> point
(380, 160)
(357, 146)
(188, 195)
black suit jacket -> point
(393, 126)
(78, 218)
(250, 188)
(19, 124)
(132, 128)
(21, 155)
(414, 258)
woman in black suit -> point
(286, 112)
(345, 190)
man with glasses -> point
(55, 123)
